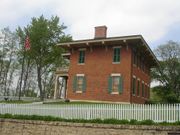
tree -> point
(8, 51)
(168, 73)
(44, 35)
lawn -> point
(73, 102)
(16, 102)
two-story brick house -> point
(115, 69)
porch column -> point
(56, 87)
(65, 87)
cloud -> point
(151, 18)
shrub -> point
(105, 121)
(147, 122)
(133, 122)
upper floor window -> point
(116, 56)
(134, 58)
(138, 87)
(81, 56)
(142, 89)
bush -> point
(147, 122)
(115, 121)
(133, 122)
(105, 121)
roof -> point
(132, 39)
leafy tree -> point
(168, 73)
(45, 54)
(8, 51)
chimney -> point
(100, 32)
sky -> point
(158, 21)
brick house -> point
(115, 69)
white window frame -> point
(79, 75)
(114, 47)
(115, 75)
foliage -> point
(8, 63)
(168, 73)
(44, 53)
(16, 102)
(99, 121)
(147, 122)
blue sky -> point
(157, 20)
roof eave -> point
(124, 38)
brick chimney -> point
(100, 32)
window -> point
(115, 84)
(148, 92)
(134, 58)
(81, 56)
(134, 86)
(142, 89)
(79, 83)
(116, 56)
(141, 64)
(137, 60)
(138, 87)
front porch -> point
(60, 91)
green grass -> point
(99, 121)
(73, 102)
(16, 102)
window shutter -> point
(109, 84)
(74, 83)
(119, 57)
(84, 84)
(120, 84)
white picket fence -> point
(157, 113)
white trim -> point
(115, 62)
(81, 63)
(80, 75)
(134, 76)
(66, 54)
(114, 93)
(82, 49)
(116, 47)
(107, 39)
(115, 74)
(138, 79)
(78, 91)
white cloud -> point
(151, 18)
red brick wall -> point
(97, 68)
(142, 76)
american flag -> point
(27, 44)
